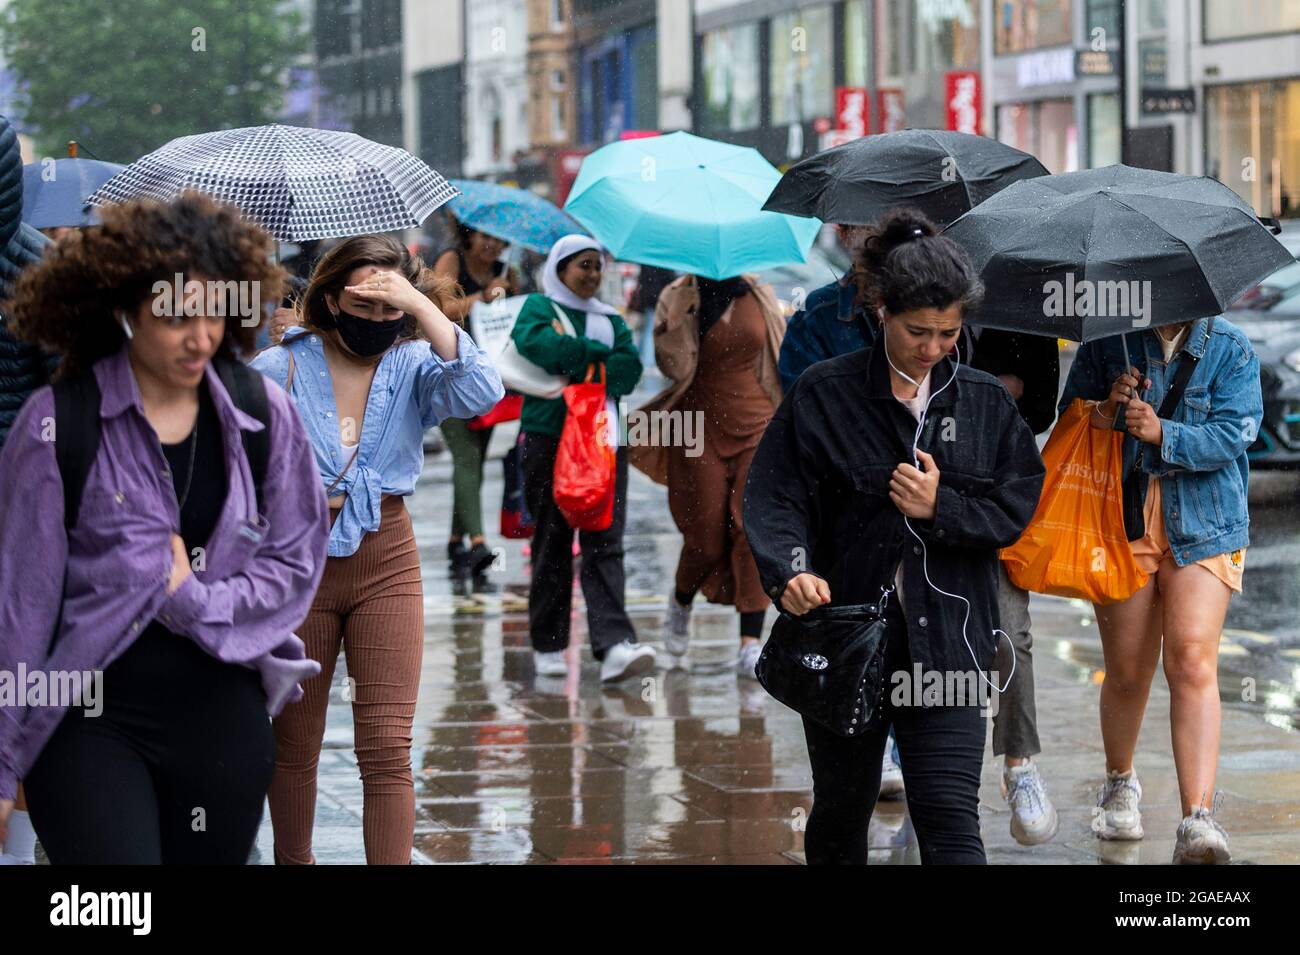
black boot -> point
(480, 560)
(458, 568)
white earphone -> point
(920, 426)
(126, 328)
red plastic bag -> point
(583, 484)
(507, 409)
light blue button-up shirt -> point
(413, 390)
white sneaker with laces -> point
(1033, 817)
(1201, 841)
(677, 627)
(1119, 817)
(626, 659)
(749, 654)
(550, 664)
(891, 774)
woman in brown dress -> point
(718, 342)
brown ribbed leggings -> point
(372, 605)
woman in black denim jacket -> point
(837, 513)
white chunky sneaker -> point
(626, 659)
(550, 664)
(748, 659)
(1201, 841)
(677, 627)
(1118, 816)
(1033, 817)
(891, 774)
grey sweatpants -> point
(1015, 723)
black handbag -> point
(1133, 486)
(829, 664)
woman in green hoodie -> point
(570, 282)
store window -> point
(1102, 15)
(1103, 130)
(855, 43)
(801, 66)
(1030, 24)
(946, 36)
(729, 72)
(891, 25)
(1226, 20)
(1151, 16)
(1252, 143)
(1045, 129)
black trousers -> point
(940, 750)
(173, 771)
(550, 591)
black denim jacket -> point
(817, 497)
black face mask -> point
(365, 337)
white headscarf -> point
(555, 288)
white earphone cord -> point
(925, 569)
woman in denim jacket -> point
(1193, 548)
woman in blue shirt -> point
(374, 363)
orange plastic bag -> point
(1075, 545)
(584, 465)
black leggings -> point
(940, 750)
(173, 771)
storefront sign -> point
(638, 133)
(1045, 67)
(962, 101)
(889, 106)
(852, 111)
(1156, 100)
(1094, 63)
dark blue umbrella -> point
(55, 191)
(513, 215)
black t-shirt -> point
(208, 483)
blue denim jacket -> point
(413, 389)
(1202, 460)
(826, 327)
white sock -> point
(20, 843)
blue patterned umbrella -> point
(514, 215)
(55, 191)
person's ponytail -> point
(905, 264)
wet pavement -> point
(700, 766)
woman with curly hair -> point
(184, 568)
(373, 364)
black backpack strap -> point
(76, 437)
(247, 390)
(1179, 384)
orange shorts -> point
(1151, 549)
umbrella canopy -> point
(295, 182)
(512, 215)
(55, 192)
(688, 204)
(943, 174)
(1088, 254)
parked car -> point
(1269, 314)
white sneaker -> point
(1201, 841)
(677, 627)
(749, 655)
(1033, 817)
(1119, 816)
(550, 664)
(626, 659)
(891, 774)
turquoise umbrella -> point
(689, 204)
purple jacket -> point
(260, 573)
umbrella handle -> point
(1271, 224)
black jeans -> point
(940, 749)
(550, 591)
(173, 771)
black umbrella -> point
(1084, 255)
(941, 173)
